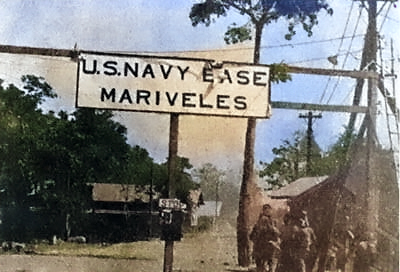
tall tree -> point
(47, 161)
(284, 168)
(216, 186)
(87, 148)
(337, 158)
(290, 162)
(21, 122)
(140, 167)
(291, 156)
(210, 179)
(183, 182)
(260, 13)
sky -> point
(154, 26)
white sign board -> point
(172, 85)
(171, 203)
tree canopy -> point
(48, 162)
(210, 178)
(215, 186)
(290, 159)
(260, 13)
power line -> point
(323, 58)
(312, 42)
(385, 17)
(346, 25)
(340, 46)
(346, 55)
(344, 62)
(392, 19)
(263, 47)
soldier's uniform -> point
(266, 242)
(297, 239)
(365, 254)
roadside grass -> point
(140, 250)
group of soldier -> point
(292, 247)
(286, 249)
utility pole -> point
(172, 176)
(310, 118)
(372, 194)
(369, 63)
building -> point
(345, 208)
(296, 188)
(125, 212)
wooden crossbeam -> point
(11, 49)
(333, 72)
(318, 107)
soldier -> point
(365, 254)
(266, 242)
(297, 241)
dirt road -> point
(34, 263)
(209, 252)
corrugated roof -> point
(209, 208)
(296, 187)
(110, 192)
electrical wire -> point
(345, 60)
(252, 47)
(340, 46)
(386, 100)
(381, 27)
(346, 55)
(385, 17)
(347, 96)
(310, 42)
(323, 58)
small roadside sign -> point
(171, 203)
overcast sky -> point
(164, 26)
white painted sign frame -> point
(172, 85)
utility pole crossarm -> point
(318, 107)
(333, 72)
